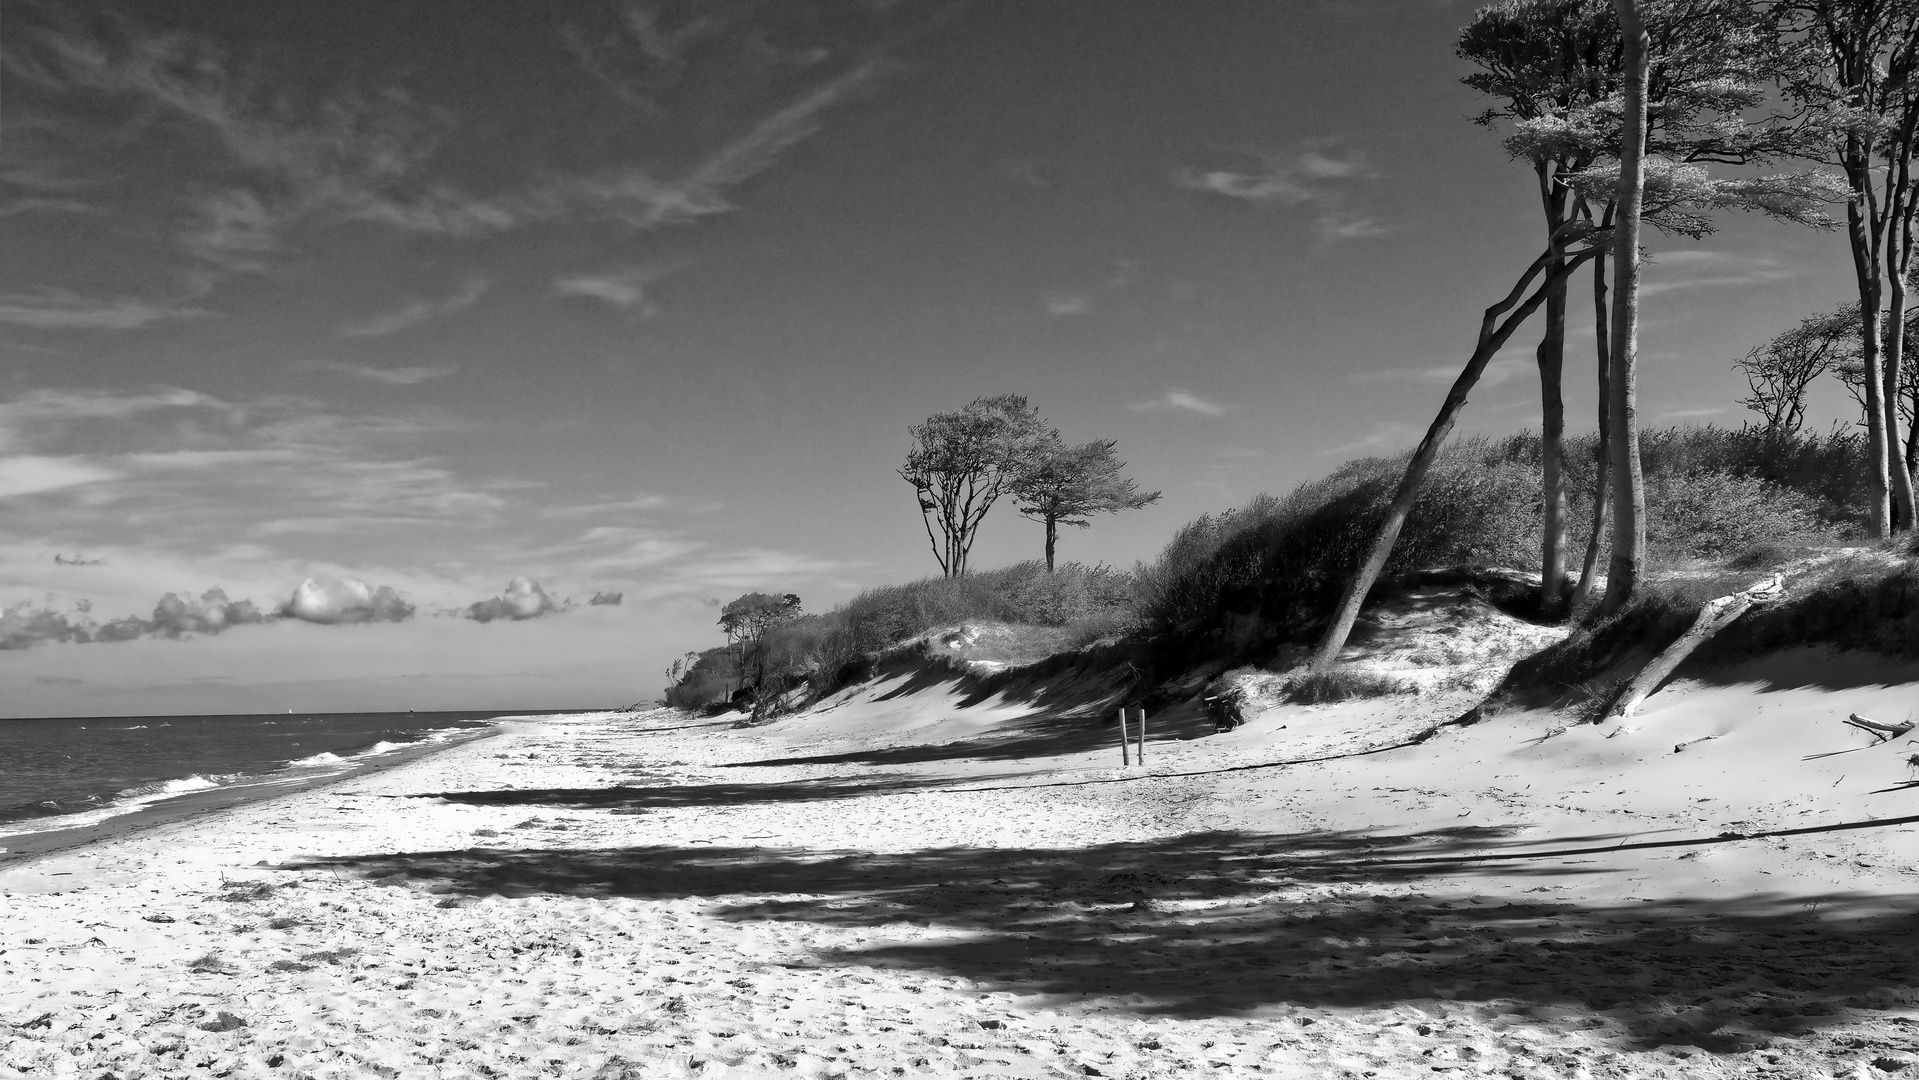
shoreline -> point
(19, 849)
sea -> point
(58, 775)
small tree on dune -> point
(746, 621)
(1065, 485)
(963, 461)
(1779, 373)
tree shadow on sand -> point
(1218, 923)
(661, 796)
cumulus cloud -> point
(175, 616)
(345, 600)
(523, 599)
(22, 625)
(607, 599)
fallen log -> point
(1714, 617)
(1882, 732)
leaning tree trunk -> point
(1602, 457)
(1493, 334)
(1629, 490)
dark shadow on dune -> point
(1214, 924)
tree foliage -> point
(1779, 373)
(1066, 485)
(962, 462)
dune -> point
(915, 880)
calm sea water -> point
(58, 773)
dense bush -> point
(828, 650)
(1287, 558)
(1711, 494)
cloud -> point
(1065, 305)
(607, 599)
(1175, 398)
(345, 600)
(1499, 369)
(31, 475)
(59, 309)
(417, 312)
(624, 287)
(1674, 271)
(23, 625)
(394, 376)
(1308, 179)
(1687, 414)
(1389, 435)
(523, 599)
(175, 616)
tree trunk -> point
(1629, 487)
(1898, 247)
(1862, 231)
(1493, 334)
(1602, 463)
(1713, 617)
(1052, 535)
(1551, 357)
(1553, 581)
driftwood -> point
(1714, 617)
(1882, 732)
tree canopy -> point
(1066, 485)
(962, 462)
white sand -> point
(624, 904)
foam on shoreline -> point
(154, 804)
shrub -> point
(1341, 684)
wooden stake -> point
(1141, 752)
(1124, 760)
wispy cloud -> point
(59, 309)
(1065, 305)
(1502, 368)
(623, 287)
(1687, 414)
(1309, 179)
(1674, 271)
(1386, 436)
(33, 474)
(1175, 398)
(416, 312)
(391, 376)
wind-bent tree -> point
(1065, 485)
(1779, 373)
(963, 461)
(1860, 81)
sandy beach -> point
(894, 885)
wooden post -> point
(1124, 760)
(1141, 752)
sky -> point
(467, 354)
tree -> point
(1780, 372)
(962, 462)
(1065, 485)
(1546, 59)
(1622, 412)
(1711, 61)
(1859, 81)
(746, 621)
